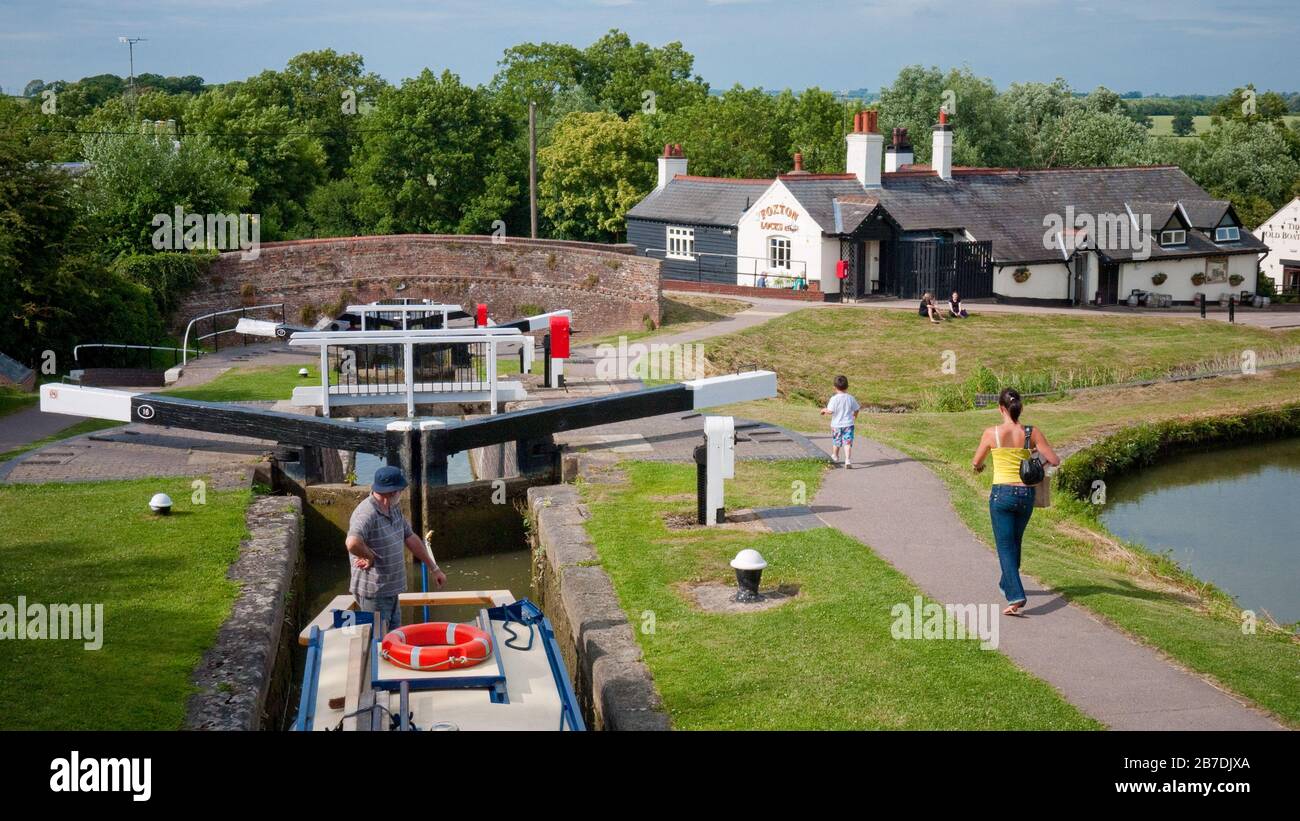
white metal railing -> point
(185, 341)
(379, 309)
(794, 274)
(490, 339)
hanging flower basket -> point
(1236, 279)
(1159, 279)
(1021, 275)
(1198, 279)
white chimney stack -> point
(864, 149)
(672, 163)
(899, 151)
(941, 155)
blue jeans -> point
(389, 613)
(1010, 507)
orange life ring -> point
(436, 645)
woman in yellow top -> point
(1011, 501)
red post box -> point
(559, 337)
(480, 316)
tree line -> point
(324, 148)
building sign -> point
(779, 217)
(1216, 269)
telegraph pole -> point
(130, 45)
(532, 167)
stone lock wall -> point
(607, 287)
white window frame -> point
(680, 242)
(1227, 233)
(774, 256)
(1171, 234)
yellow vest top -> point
(1006, 462)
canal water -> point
(1228, 515)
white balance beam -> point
(96, 403)
(733, 387)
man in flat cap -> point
(377, 533)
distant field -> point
(1162, 125)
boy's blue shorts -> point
(842, 436)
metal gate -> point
(912, 268)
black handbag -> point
(1031, 469)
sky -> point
(1190, 46)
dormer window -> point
(1173, 237)
(1227, 233)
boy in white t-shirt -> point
(843, 411)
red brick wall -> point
(607, 287)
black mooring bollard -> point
(546, 360)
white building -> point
(889, 226)
(1281, 233)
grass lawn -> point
(161, 580)
(826, 660)
(75, 429)
(894, 358)
(679, 312)
(1162, 125)
(13, 400)
(269, 382)
(1071, 551)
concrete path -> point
(31, 425)
(902, 510)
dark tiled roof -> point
(1008, 206)
(700, 200)
(817, 194)
(1206, 213)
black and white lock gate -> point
(420, 447)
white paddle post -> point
(720, 464)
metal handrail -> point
(773, 273)
(185, 340)
(490, 338)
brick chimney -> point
(899, 152)
(941, 155)
(863, 150)
(672, 163)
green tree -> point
(54, 288)
(1241, 162)
(626, 77)
(133, 179)
(268, 146)
(1184, 124)
(979, 118)
(597, 166)
(1249, 106)
(814, 123)
(439, 157)
(737, 134)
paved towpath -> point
(902, 510)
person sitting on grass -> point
(843, 411)
(955, 308)
(928, 308)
